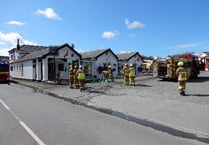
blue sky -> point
(150, 27)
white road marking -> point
(40, 142)
(5, 105)
(32, 134)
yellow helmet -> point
(180, 63)
(109, 66)
(131, 65)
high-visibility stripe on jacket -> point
(126, 72)
(182, 76)
(71, 72)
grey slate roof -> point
(28, 48)
(33, 52)
(207, 53)
(96, 53)
(127, 56)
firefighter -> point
(71, 76)
(81, 78)
(76, 76)
(110, 74)
(131, 75)
(183, 76)
(154, 68)
(104, 76)
(126, 74)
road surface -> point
(32, 118)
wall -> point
(23, 70)
(137, 61)
(106, 58)
(69, 55)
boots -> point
(182, 93)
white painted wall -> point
(25, 73)
(70, 56)
(107, 58)
(137, 61)
(28, 69)
(45, 69)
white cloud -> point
(9, 41)
(4, 51)
(109, 34)
(183, 46)
(48, 13)
(17, 23)
(123, 51)
(134, 24)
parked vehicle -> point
(204, 59)
(4, 73)
(167, 67)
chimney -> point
(18, 44)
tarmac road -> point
(32, 118)
(151, 99)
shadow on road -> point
(93, 90)
(199, 79)
(143, 85)
(199, 95)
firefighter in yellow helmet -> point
(131, 75)
(71, 76)
(183, 76)
(110, 74)
(81, 78)
(76, 76)
(126, 74)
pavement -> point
(192, 121)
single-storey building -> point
(97, 61)
(42, 63)
(130, 58)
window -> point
(60, 67)
(11, 68)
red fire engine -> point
(167, 68)
(4, 72)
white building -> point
(42, 63)
(97, 61)
(130, 58)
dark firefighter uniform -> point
(126, 75)
(81, 78)
(131, 75)
(110, 74)
(76, 76)
(71, 76)
(183, 76)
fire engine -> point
(204, 58)
(167, 67)
(4, 72)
